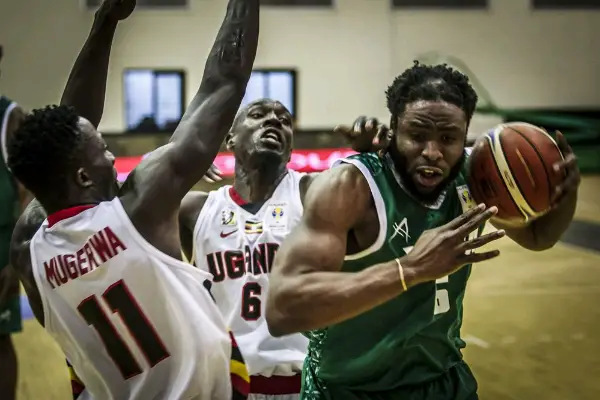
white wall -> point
(346, 56)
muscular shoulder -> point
(29, 222)
(190, 208)
(339, 195)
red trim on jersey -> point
(275, 385)
(236, 197)
(67, 213)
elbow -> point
(279, 312)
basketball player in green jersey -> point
(13, 199)
(376, 270)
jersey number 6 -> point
(119, 300)
(251, 304)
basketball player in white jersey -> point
(103, 272)
(235, 231)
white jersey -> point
(238, 248)
(134, 322)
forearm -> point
(320, 299)
(86, 86)
(231, 58)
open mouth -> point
(272, 138)
(429, 177)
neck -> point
(52, 206)
(256, 185)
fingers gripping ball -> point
(511, 167)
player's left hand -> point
(568, 169)
(366, 135)
(213, 174)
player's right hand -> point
(366, 135)
(444, 250)
(213, 174)
(116, 10)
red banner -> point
(306, 160)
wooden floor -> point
(532, 323)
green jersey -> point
(411, 339)
(9, 196)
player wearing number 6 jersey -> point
(377, 268)
(103, 272)
(235, 231)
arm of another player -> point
(543, 233)
(20, 256)
(173, 169)
(86, 86)
(365, 135)
(189, 211)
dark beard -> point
(401, 164)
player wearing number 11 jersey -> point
(103, 272)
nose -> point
(432, 151)
(271, 121)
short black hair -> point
(430, 82)
(41, 151)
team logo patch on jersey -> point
(253, 227)
(276, 217)
(228, 218)
(466, 200)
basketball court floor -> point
(532, 322)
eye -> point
(255, 115)
(448, 139)
(417, 136)
(285, 120)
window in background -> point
(154, 99)
(276, 84)
(93, 4)
(566, 4)
(298, 3)
(447, 4)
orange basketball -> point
(511, 167)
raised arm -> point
(86, 86)
(306, 274)
(154, 190)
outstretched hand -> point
(366, 135)
(116, 10)
(568, 169)
(441, 251)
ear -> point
(83, 179)
(230, 141)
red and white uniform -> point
(238, 247)
(134, 322)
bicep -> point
(334, 203)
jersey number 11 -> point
(119, 300)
